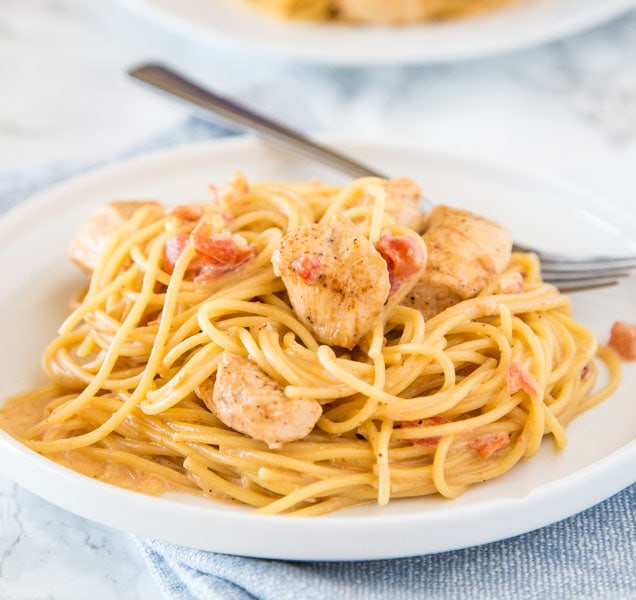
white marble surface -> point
(568, 108)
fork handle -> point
(233, 113)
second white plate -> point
(236, 24)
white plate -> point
(234, 22)
(601, 457)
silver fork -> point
(567, 273)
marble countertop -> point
(568, 108)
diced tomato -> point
(222, 248)
(485, 445)
(174, 248)
(309, 267)
(403, 256)
(517, 379)
(187, 212)
(215, 255)
(623, 340)
(427, 442)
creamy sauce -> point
(22, 411)
(117, 474)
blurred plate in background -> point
(235, 23)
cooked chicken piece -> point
(466, 252)
(91, 238)
(381, 11)
(248, 400)
(403, 203)
(336, 280)
(430, 298)
(510, 283)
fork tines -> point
(587, 264)
(585, 272)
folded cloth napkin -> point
(591, 555)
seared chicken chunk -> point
(90, 240)
(248, 400)
(403, 203)
(336, 280)
(466, 252)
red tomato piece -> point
(623, 340)
(517, 379)
(485, 445)
(403, 256)
(308, 266)
(428, 442)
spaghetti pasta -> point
(415, 406)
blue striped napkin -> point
(589, 556)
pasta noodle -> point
(418, 406)
(378, 11)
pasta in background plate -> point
(379, 11)
(301, 348)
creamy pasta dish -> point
(301, 347)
